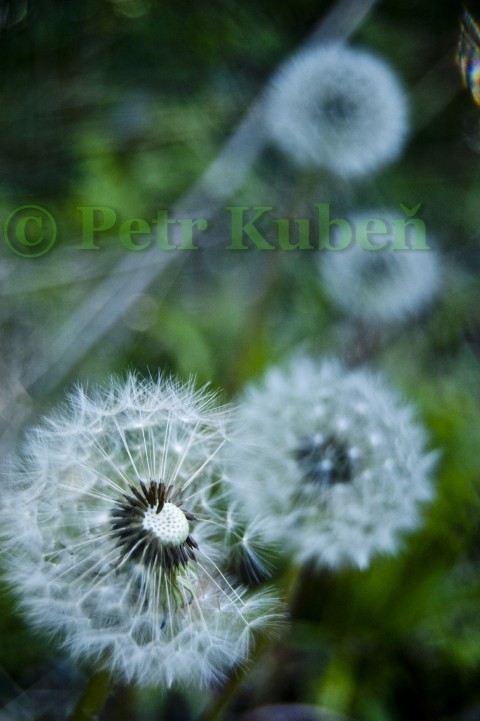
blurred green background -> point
(124, 104)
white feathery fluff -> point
(381, 286)
(338, 108)
(141, 598)
(339, 467)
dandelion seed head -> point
(114, 525)
(381, 286)
(338, 108)
(332, 492)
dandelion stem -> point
(220, 703)
(93, 699)
(298, 583)
(214, 712)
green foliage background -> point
(125, 103)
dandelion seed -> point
(337, 108)
(383, 286)
(114, 530)
(339, 467)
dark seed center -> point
(376, 268)
(324, 460)
(338, 109)
(134, 527)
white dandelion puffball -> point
(337, 108)
(381, 286)
(339, 465)
(117, 525)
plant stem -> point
(227, 694)
(220, 703)
(93, 699)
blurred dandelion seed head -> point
(339, 463)
(114, 519)
(337, 108)
(381, 286)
